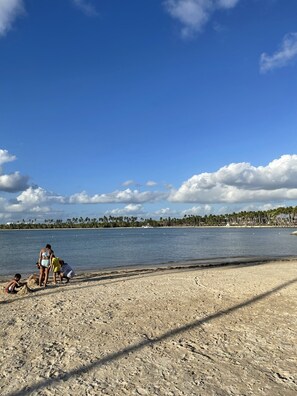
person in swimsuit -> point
(45, 259)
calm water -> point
(107, 248)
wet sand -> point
(228, 330)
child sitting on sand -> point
(14, 285)
(67, 271)
(56, 267)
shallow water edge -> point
(206, 263)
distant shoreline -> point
(143, 228)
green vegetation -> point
(280, 217)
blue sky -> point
(146, 108)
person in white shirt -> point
(66, 271)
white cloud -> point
(194, 14)
(124, 196)
(242, 182)
(12, 182)
(234, 187)
(34, 200)
(33, 196)
(86, 7)
(281, 58)
(6, 157)
(15, 182)
(131, 182)
(151, 183)
(163, 212)
(40, 209)
(9, 11)
(131, 209)
(128, 183)
(198, 210)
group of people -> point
(47, 261)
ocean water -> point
(95, 249)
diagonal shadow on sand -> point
(148, 342)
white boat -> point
(294, 233)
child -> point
(14, 284)
(56, 267)
(67, 271)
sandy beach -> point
(215, 331)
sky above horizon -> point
(146, 108)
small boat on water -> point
(147, 226)
(294, 233)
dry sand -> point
(217, 331)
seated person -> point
(14, 285)
(66, 270)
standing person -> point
(56, 267)
(39, 266)
(45, 259)
(67, 271)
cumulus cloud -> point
(131, 209)
(34, 200)
(29, 198)
(242, 182)
(198, 210)
(38, 195)
(281, 58)
(163, 212)
(6, 157)
(12, 182)
(9, 11)
(124, 196)
(194, 14)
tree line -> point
(280, 217)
